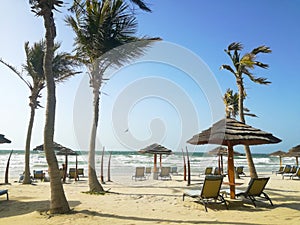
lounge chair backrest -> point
(287, 169)
(174, 169)
(140, 172)
(165, 171)
(240, 169)
(148, 170)
(293, 169)
(281, 169)
(257, 185)
(211, 186)
(208, 170)
(297, 174)
(217, 171)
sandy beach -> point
(148, 202)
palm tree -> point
(242, 66)
(100, 27)
(62, 69)
(231, 101)
(44, 8)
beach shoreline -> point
(148, 202)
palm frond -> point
(261, 49)
(227, 67)
(235, 46)
(260, 64)
(142, 5)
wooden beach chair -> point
(38, 174)
(3, 192)
(240, 171)
(165, 173)
(279, 171)
(255, 190)
(207, 171)
(139, 173)
(210, 192)
(174, 170)
(72, 173)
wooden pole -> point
(184, 165)
(160, 164)
(188, 167)
(76, 169)
(102, 159)
(231, 177)
(108, 168)
(155, 163)
(7, 168)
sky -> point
(176, 90)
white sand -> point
(148, 202)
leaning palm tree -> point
(101, 27)
(63, 68)
(242, 66)
(45, 8)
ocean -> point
(123, 163)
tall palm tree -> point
(100, 27)
(63, 68)
(242, 66)
(45, 8)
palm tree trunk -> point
(58, 203)
(94, 184)
(27, 179)
(251, 166)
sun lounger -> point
(255, 190)
(292, 175)
(279, 171)
(165, 173)
(38, 174)
(139, 173)
(240, 170)
(210, 191)
(3, 192)
(148, 170)
(288, 171)
(174, 170)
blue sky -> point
(205, 28)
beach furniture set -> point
(163, 173)
(291, 172)
(211, 191)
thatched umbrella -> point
(230, 132)
(3, 139)
(294, 152)
(66, 151)
(156, 149)
(220, 151)
(61, 150)
(280, 154)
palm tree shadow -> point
(13, 208)
(135, 219)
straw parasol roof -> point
(3, 139)
(280, 154)
(222, 151)
(230, 132)
(294, 152)
(156, 149)
(56, 147)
